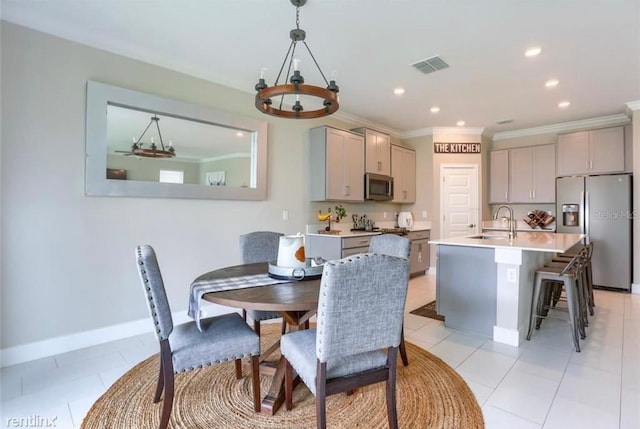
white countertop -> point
(501, 225)
(345, 229)
(535, 241)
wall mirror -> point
(213, 154)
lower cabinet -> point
(331, 247)
(419, 256)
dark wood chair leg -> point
(244, 314)
(256, 326)
(238, 368)
(321, 395)
(167, 365)
(403, 350)
(288, 385)
(283, 330)
(392, 360)
(255, 378)
(160, 386)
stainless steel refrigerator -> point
(601, 207)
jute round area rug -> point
(429, 395)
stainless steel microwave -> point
(378, 187)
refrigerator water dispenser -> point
(570, 214)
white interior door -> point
(459, 200)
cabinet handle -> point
(405, 194)
(505, 196)
(471, 225)
(347, 190)
(420, 254)
(534, 194)
(379, 165)
(587, 164)
(529, 194)
(590, 165)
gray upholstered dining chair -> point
(359, 328)
(400, 247)
(260, 246)
(184, 347)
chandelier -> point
(153, 151)
(297, 87)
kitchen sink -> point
(489, 237)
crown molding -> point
(467, 131)
(620, 119)
(348, 117)
(633, 106)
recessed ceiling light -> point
(460, 123)
(551, 83)
(533, 51)
(435, 109)
(398, 91)
(564, 104)
(239, 134)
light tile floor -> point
(542, 384)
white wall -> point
(67, 259)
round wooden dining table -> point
(296, 301)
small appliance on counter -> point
(405, 220)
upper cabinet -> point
(336, 165)
(522, 175)
(377, 151)
(591, 152)
(532, 174)
(403, 171)
(499, 176)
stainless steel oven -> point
(378, 187)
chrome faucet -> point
(512, 224)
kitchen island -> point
(484, 283)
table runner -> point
(201, 286)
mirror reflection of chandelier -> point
(297, 87)
(153, 151)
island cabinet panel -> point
(499, 176)
(336, 165)
(466, 288)
(403, 171)
(591, 152)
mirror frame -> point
(100, 95)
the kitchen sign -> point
(456, 147)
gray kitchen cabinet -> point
(532, 174)
(591, 152)
(377, 151)
(420, 251)
(403, 171)
(499, 176)
(336, 165)
(332, 247)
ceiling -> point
(591, 46)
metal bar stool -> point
(545, 278)
(588, 269)
(582, 282)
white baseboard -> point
(506, 336)
(54, 346)
(635, 288)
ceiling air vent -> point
(431, 65)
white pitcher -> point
(291, 251)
